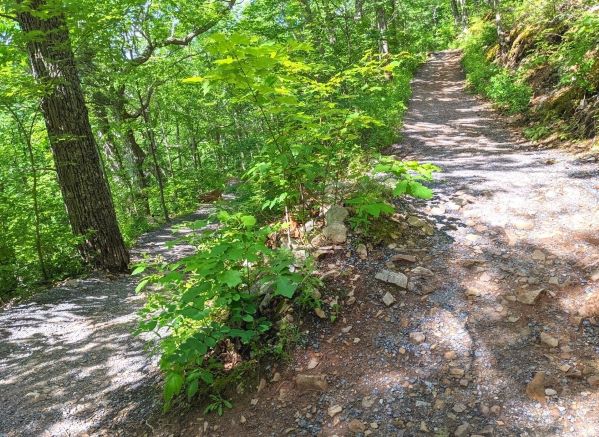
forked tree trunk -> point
(84, 188)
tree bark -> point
(84, 189)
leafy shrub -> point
(499, 84)
(218, 298)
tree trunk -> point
(84, 189)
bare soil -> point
(506, 220)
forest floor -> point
(505, 277)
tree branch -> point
(147, 53)
(9, 17)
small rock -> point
(242, 420)
(456, 371)
(320, 313)
(416, 222)
(449, 355)
(388, 299)
(346, 329)
(276, 377)
(334, 410)
(459, 408)
(461, 430)
(595, 275)
(528, 296)
(417, 337)
(550, 392)
(356, 426)
(396, 278)
(421, 272)
(311, 382)
(367, 402)
(423, 426)
(539, 255)
(374, 425)
(593, 380)
(312, 363)
(403, 257)
(549, 340)
(496, 409)
(535, 389)
(362, 251)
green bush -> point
(221, 297)
(500, 85)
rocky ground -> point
(479, 318)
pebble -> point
(311, 382)
(550, 392)
(539, 255)
(417, 337)
(549, 340)
(461, 430)
(593, 380)
(459, 408)
(356, 426)
(528, 296)
(334, 410)
(388, 299)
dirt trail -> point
(68, 362)
(452, 356)
(507, 220)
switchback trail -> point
(503, 264)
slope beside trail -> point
(505, 286)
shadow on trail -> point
(69, 364)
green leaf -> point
(139, 269)
(420, 191)
(142, 285)
(285, 287)
(232, 278)
(172, 386)
(192, 389)
(248, 221)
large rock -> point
(396, 278)
(335, 232)
(335, 214)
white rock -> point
(550, 392)
(396, 278)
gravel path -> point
(68, 362)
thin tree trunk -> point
(158, 171)
(84, 189)
(26, 136)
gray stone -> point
(335, 214)
(528, 296)
(396, 278)
(388, 299)
(336, 232)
